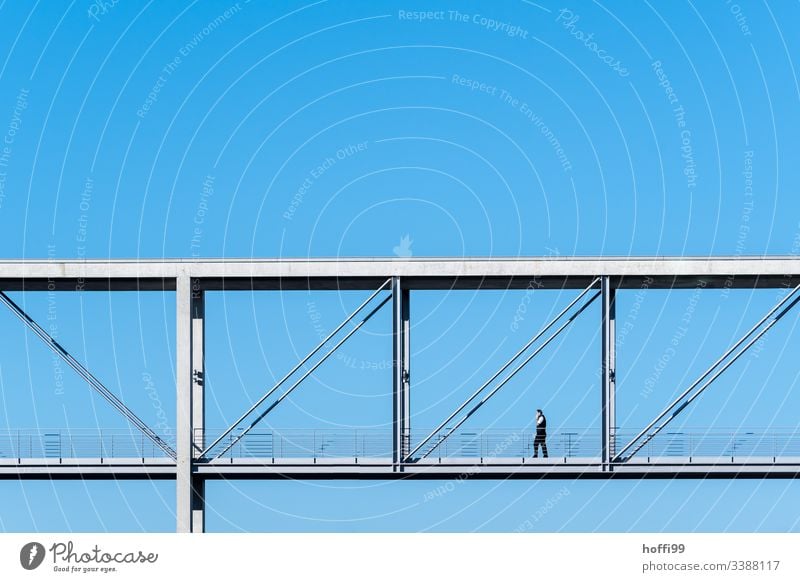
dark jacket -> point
(541, 426)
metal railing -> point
(356, 444)
(79, 444)
(303, 443)
(720, 443)
(487, 444)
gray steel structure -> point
(195, 461)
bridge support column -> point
(608, 372)
(198, 308)
(401, 352)
(190, 339)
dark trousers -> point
(539, 441)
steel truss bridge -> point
(193, 453)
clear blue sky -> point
(332, 128)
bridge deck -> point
(366, 454)
(459, 469)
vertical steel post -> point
(183, 403)
(608, 371)
(401, 350)
(198, 309)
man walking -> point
(541, 434)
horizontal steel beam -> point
(341, 283)
(420, 273)
(131, 469)
(342, 469)
(355, 283)
(460, 472)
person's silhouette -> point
(541, 434)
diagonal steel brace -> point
(513, 373)
(280, 382)
(619, 457)
(297, 383)
(84, 373)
